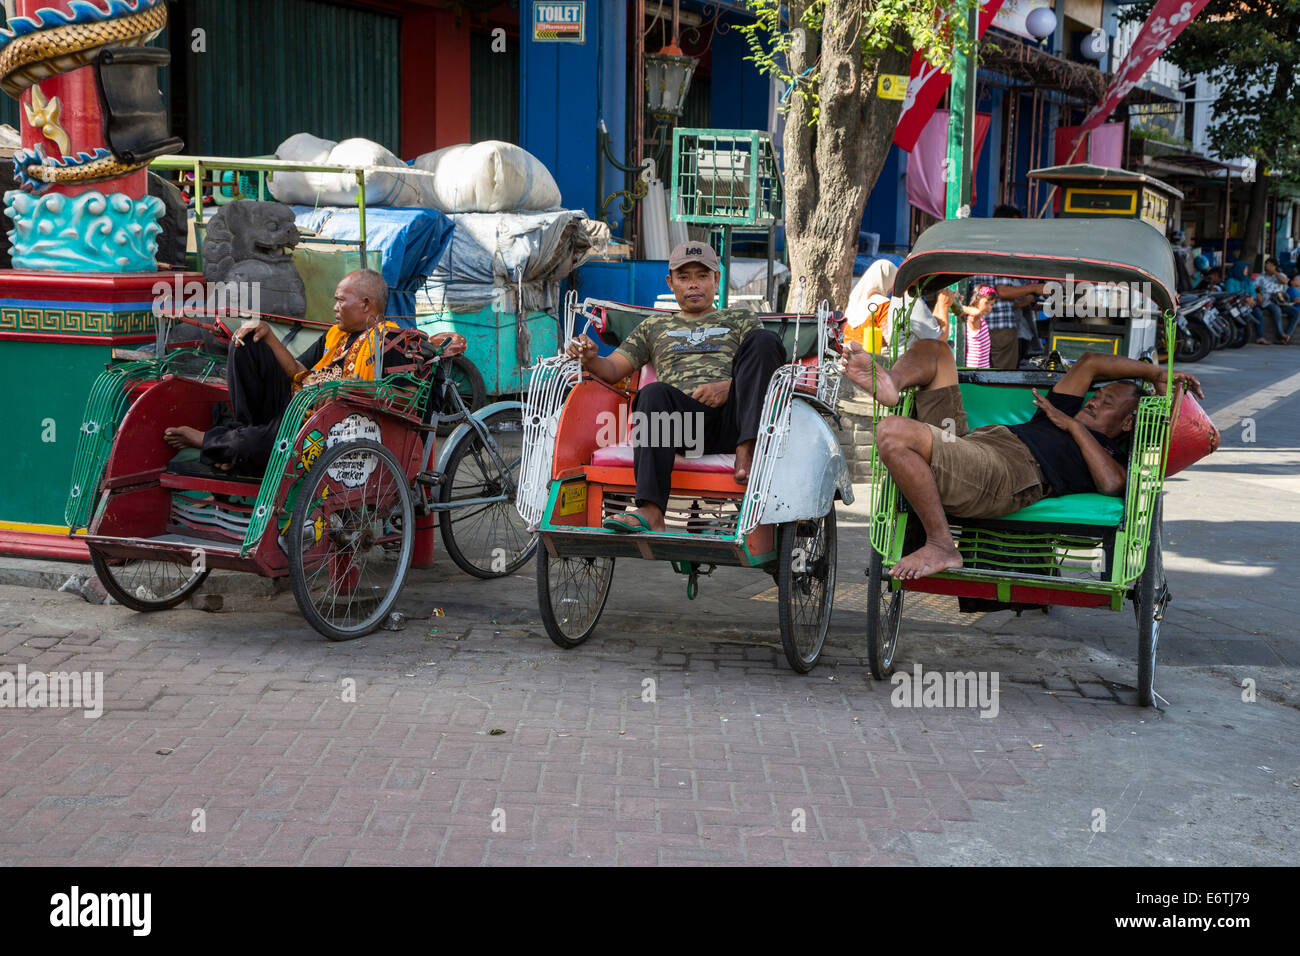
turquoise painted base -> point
(90, 232)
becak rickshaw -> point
(346, 505)
(782, 521)
(1084, 549)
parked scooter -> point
(1195, 335)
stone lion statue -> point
(249, 241)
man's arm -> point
(260, 331)
(1107, 474)
(608, 368)
(1101, 366)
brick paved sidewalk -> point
(240, 714)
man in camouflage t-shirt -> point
(713, 364)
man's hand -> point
(255, 329)
(1024, 301)
(1189, 383)
(713, 394)
(583, 349)
(1054, 414)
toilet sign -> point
(559, 22)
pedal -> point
(431, 479)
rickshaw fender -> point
(463, 431)
(808, 473)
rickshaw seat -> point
(1089, 509)
(620, 456)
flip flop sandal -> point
(612, 523)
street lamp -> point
(668, 76)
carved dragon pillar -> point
(83, 233)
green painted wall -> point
(274, 69)
(42, 382)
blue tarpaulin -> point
(410, 240)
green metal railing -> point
(199, 164)
(105, 408)
(398, 392)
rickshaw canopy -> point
(1092, 250)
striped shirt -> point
(977, 344)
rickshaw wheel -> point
(345, 572)
(1149, 604)
(487, 541)
(571, 594)
(805, 587)
(884, 619)
(148, 585)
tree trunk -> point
(1254, 228)
(830, 167)
(1259, 189)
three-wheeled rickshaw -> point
(347, 503)
(782, 521)
(1083, 550)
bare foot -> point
(925, 561)
(1261, 341)
(868, 371)
(744, 461)
(1286, 340)
(183, 437)
(652, 515)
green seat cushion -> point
(1010, 405)
(1090, 509)
(996, 404)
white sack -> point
(490, 176)
(340, 189)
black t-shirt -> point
(1058, 454)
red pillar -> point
(81, 118)
(435, 81)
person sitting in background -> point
(1271, 286)
(868, 306)
(1239, 281)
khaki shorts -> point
(985, 473)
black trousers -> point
(725, 427)
(259, 394)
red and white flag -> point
(1168, 19)
(926, 85)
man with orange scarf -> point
(262, 375)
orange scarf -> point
(342, 361)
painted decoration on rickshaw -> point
(313, 445)
(351, 471)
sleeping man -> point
(1071, 445)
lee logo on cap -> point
(694, 251)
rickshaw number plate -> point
(573, 499)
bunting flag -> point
(926, 85)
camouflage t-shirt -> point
(687, 352)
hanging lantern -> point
(667, 79)
(1093, 46)
(1041, 22)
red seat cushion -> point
(620, 456)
